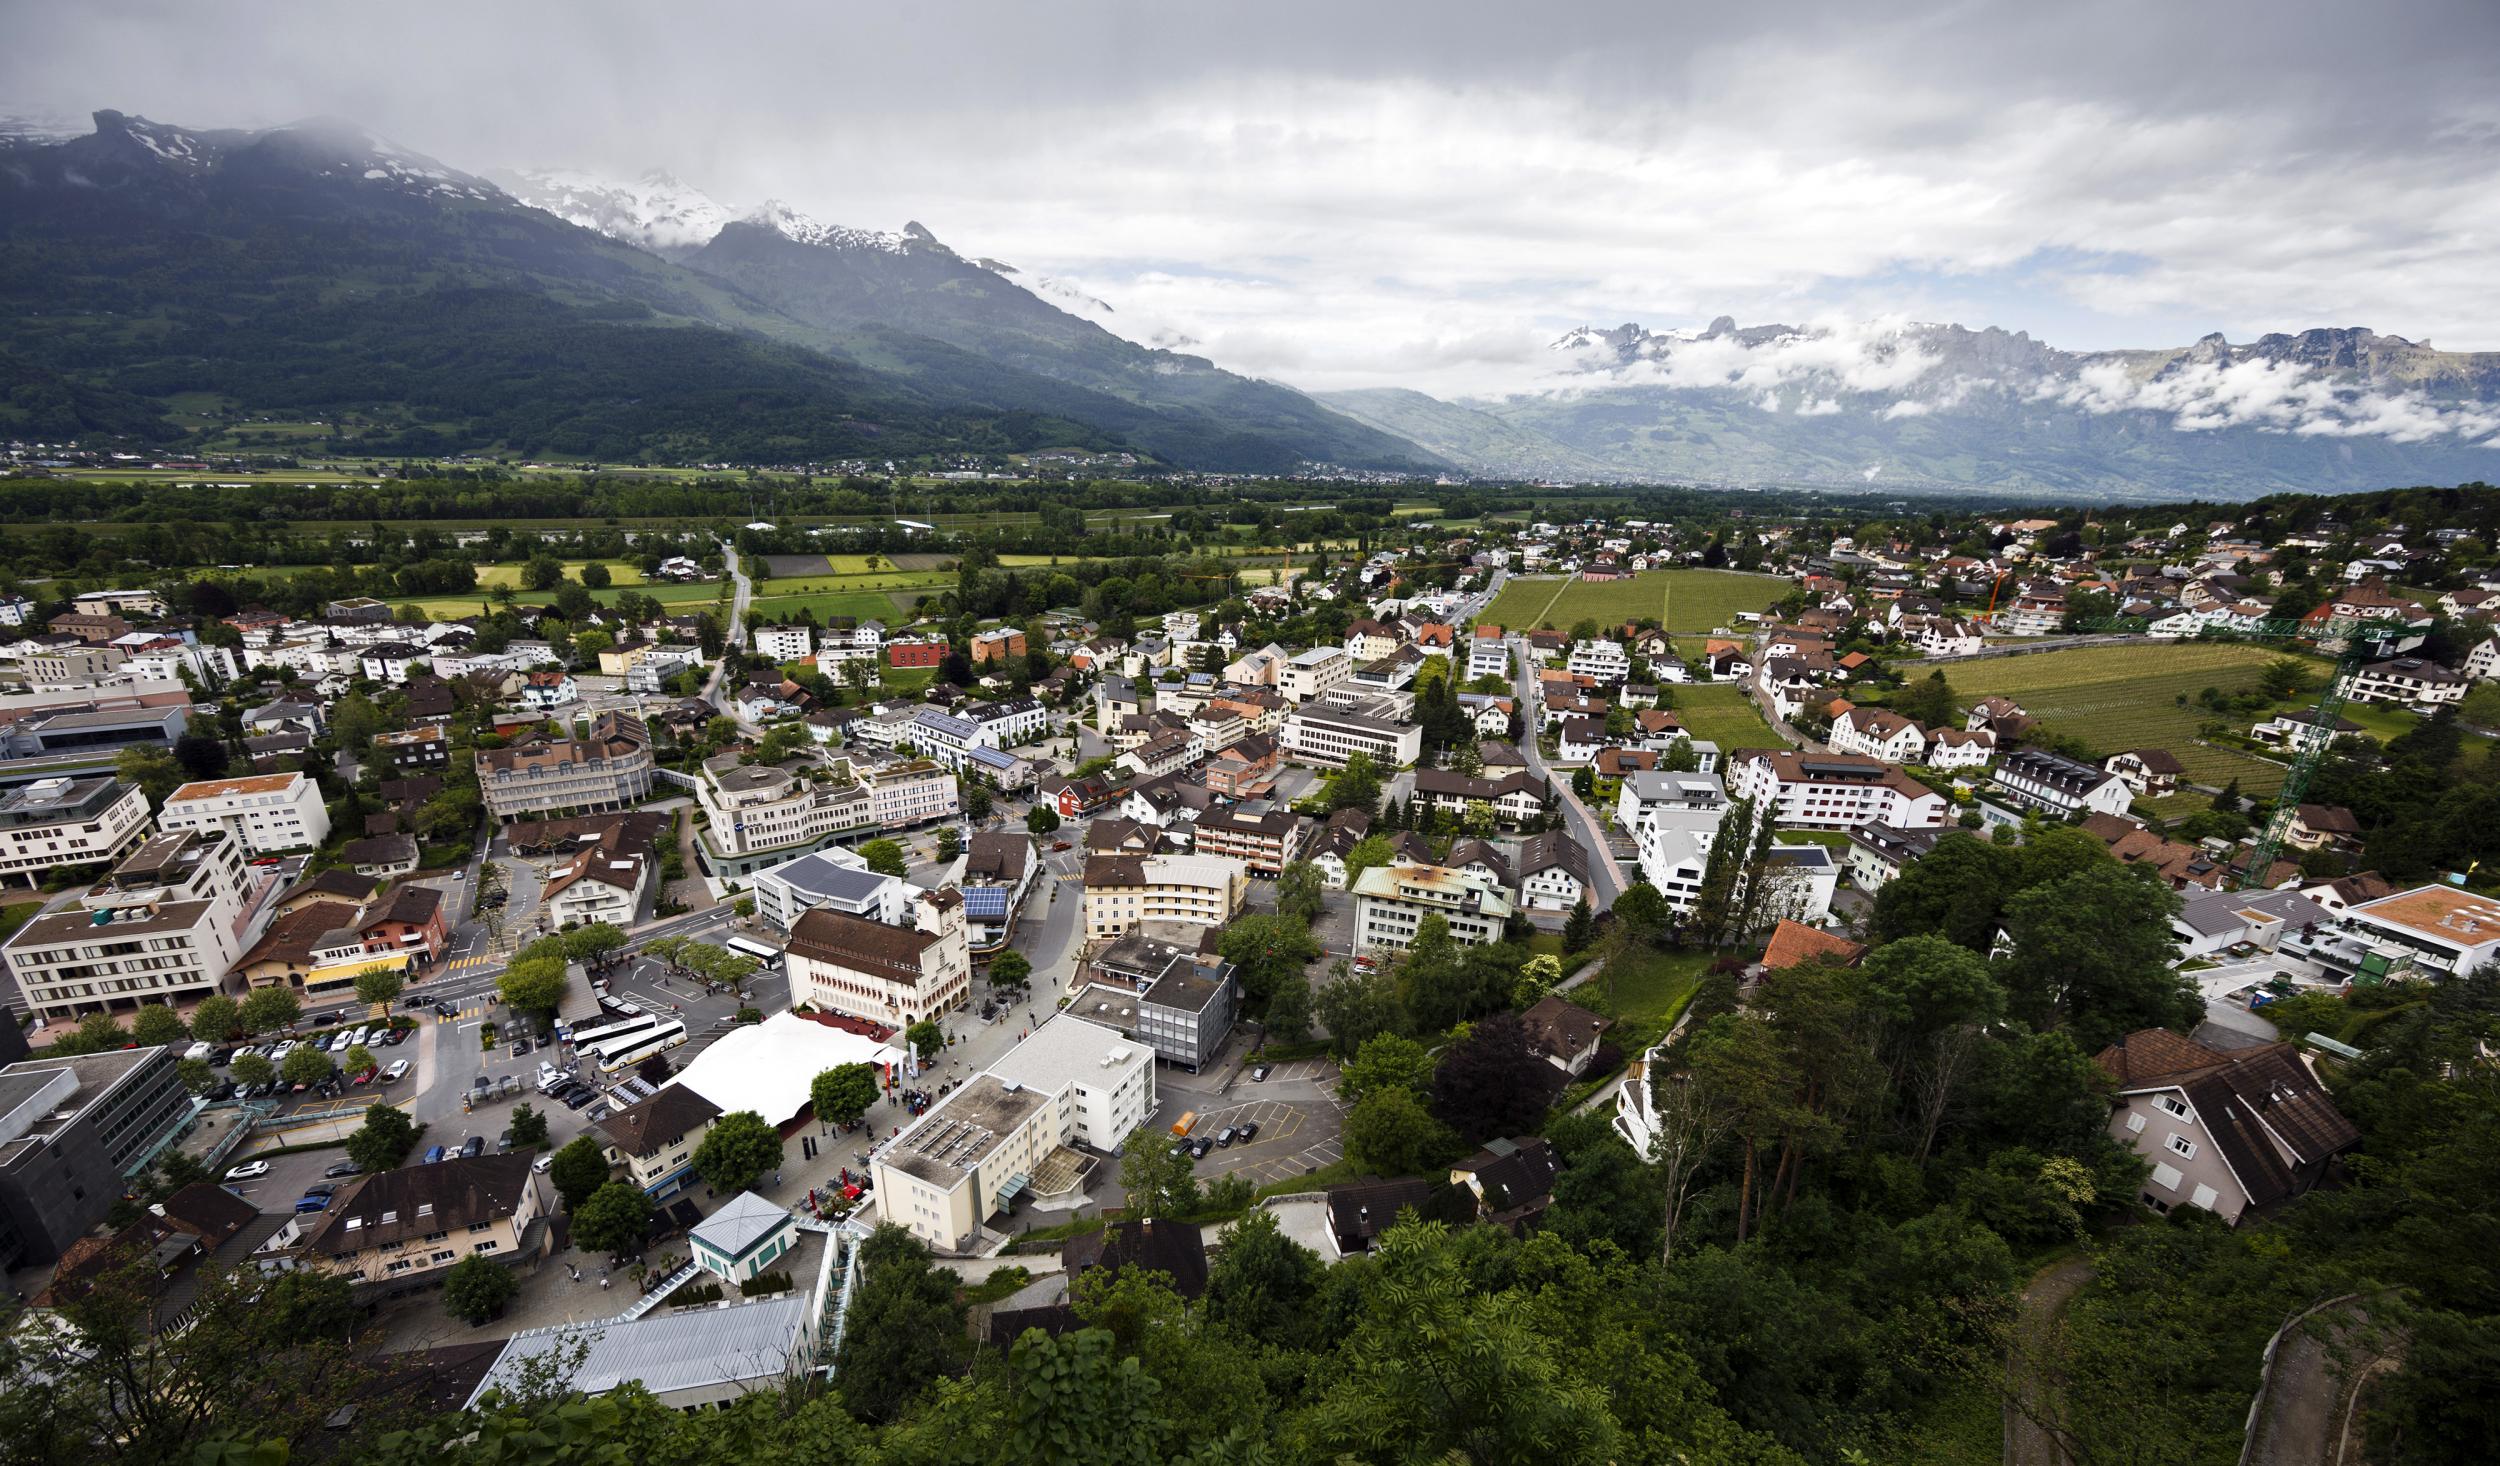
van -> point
(1185, 1123)
(199, 1051)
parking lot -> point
(1301, 1125)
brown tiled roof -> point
(460, 1192)
(862, 945)
(1793, 942)
(292, 937)
(2150, 1055)
(1559, 1028)
(337, 881)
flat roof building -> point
(72, 1132)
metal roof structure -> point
(670, 1350)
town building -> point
(394, 1230)
(2055, 784)
(607, 880)
(610, 769)
(1878, 853)
(1514, 795)
(268, 813)
(654, 1138)
(744, 1238)
(910, 792)
(414, 750)
(1879, 734)
(73, 1131)
(837, 879)
(2409, 681)
(2148, 773)
(1123, 890)
(1391, 901)
(2224, 1131)
(1014, 1130)
(757, 816)
(165, 926)
(1833, 791)
(1553, 872)
(784, 643)
(1328, 737)
(1311, 675)
(997, 646)
(1175, 996)
(61, 821)
(1266, 842)
(885, 971)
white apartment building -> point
(1391, 901)
(1675, 843)
(1644, 793)
(760, 815)
(267, 812)
(1326, 737)
(1600, 659)
(1488, 656)
(837, 878)
(890, 973)
(1011, 723)
(913, 792)
(2038, 779)
(165, 926)
(1833, 791)
(64, 821)
(1314, 674)
(612, 769)
(1123, 890)
(784, 643)
(1011, 1131)
(946, 738)
(2409, 681)
(1879, 734)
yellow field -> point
(619, 573)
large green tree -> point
(579, 1169)
(843, 1094)
(739, 1147)
(906, 1328)
(1159, 1176)
(477, 1287)
(614, 1219)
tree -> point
(156, 1025)
(1289, 1010)
(197, 1075)
(595, 575)
(1493, 1083)
(906, 1327)
(383, 1140)
(357, 1059)
(2283, 678)
(1159, 1176)
(1392, 1133)
(614, 1220)
(1385, 1061)
(1928, 701)
(1011, 972)
(1041, 819)
(885, 857)
(578, 1170)
(843, 1094)
(1692, 1123)
(950, 842)
(529, 1127)
(1580, 927)
(306, 1066)
(542, 572)
(1355, 786)
(926, 1039)
(1265, 948)
(534, 984)
(269, 1008)
(378, 986)
(2093, 952)
(978, 803)
(1354, 1007)
(216, 1018)
(1432, 977)
(1262, 1285)
(477, 1288)
(592, 943)
(252, 1069)
(739, 1147)
(1642, 914)
(1301, 892)
(1369, 851)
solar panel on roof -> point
(985, 902)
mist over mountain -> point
(1944, 407)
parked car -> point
(473, 1147)
(365, 1078)
(541, 1164)
(1259, 1075)
(248, 1171)
(433, 1153)
(1226, 1137)
(1198, 1148)
(397, 1071)
(223, 1090)
(342, 1169)
(520, 1046)
(311, 1203)
(1249, 1132)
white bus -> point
(625, 1050)
(749, 947)
(614, 1026)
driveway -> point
(2030, 1397)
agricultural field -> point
(2120, 697)
(678, 599)
(619, 573)
(1681, 600)
(804, 567)
(1720, 713)
(891, 607)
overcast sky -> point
(1425, 194)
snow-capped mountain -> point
(656, 212)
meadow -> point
(2119, 697)
(1720, 713)
(1680, 600)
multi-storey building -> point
(893, 974)
(267, 812)
(838, 879)
(1488, 653)
(1123, 890)
(62, 821)
(919, 651)
(911, 792)
(1391, 901)
(73, 1131)
(165, 926)
(1311, 675)
(997, 646)
(1833, 791)
(1326, 737)
(2410, 681)
(1017, 720)
(784, 643)
(2056, 784)
(396, 1229)
(1879, 734)
(1266, 843)
(611, 769)
(1012, 1129)
(1172, 995)
(417, 749)
(1516, 795)
(761, 815)
(654, 1139)
(1600, 661)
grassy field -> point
(679, 599)
(817, 585)
(865, 605)
(619, 574)
(1720, 713)
(1681, 600)
(1643, 994)
(2120, 697)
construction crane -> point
(2308, 752)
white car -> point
(398, 1070)
(361, 1035)
(248, 1171)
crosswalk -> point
(470, 964)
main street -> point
(1604, 874)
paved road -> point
(1605, 875)
(2305, 1411)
